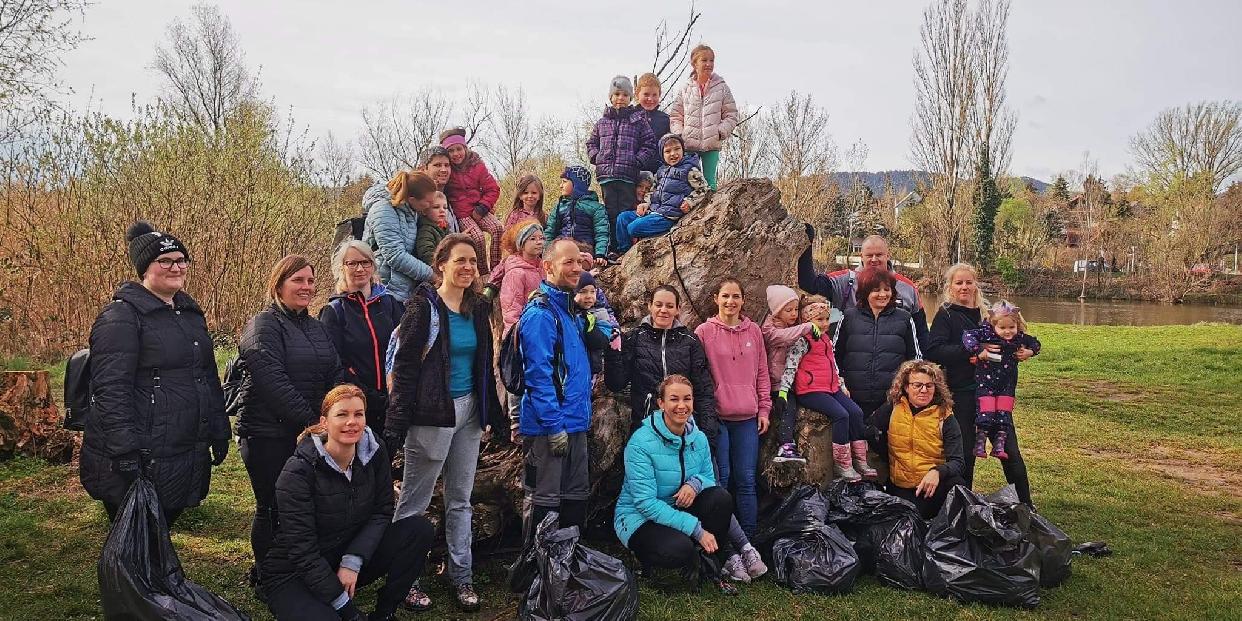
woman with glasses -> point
(916, 434)
(360, 318)
(158, 405)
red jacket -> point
(469, 185)
(817, 371)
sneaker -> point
(788, 452)
(727, 588)
(753, 562)
(735, 569)
(467, 599)
(416, 599)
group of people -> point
(401, 360)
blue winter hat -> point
(584, 281)
(580, 177)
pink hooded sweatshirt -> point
(520, 278)
(740, 367)
(777, 342)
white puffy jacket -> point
(704, 120)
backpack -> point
(512, 363)
(350, 228)
(78, 396)
(234, 375)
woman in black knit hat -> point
(158, 406)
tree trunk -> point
(29, 421)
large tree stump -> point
(29, 421)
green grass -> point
(1130, 435)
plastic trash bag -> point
(887, 531)
(980, 552)
(819, 561)
(575, 582)
(803, 510)
(140, 576)
(1055, 548)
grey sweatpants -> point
(455, 452)
(549, 479)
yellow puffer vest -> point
(914, 443)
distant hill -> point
(904, 180)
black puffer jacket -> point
(155, 388)
(648, 355)
(324, 516)
(944, 346)
(360, 329)
(420, 385)
(290, 365)
(870, 349)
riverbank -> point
(1130, 435)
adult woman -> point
(874, 338)
(960, 311)
(443, 396)
(158, 405)
(924, 447)
(360, 318)
(290, 364)
(704, 112)
(670, 505)
(336, 528)
(392, 227)
(739, 364)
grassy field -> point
(1131, 436)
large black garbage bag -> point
(819, 561)
(980, 552)
(575, 582)
(140, 576)
(1054, 546)
(887, 531)
(804, 510)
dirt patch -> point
(1198, 469)
(1109, 391)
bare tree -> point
(477, 113)
(671, 60)
(514, 139)
(749, 154)
(336, 163)
(803, 152)
(205, 69)
(395, 131)
(944, 85)
(992, 121)
(1202, 138)
(34, 34)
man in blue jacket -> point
(556, 409)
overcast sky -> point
(1084, 76)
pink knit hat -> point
(452, 140)
(779, 296)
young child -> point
(811, 372)
(472, 194)
(602, 326)
(646, 181)
(649, 90)
(781, 330)
(432, 227)
(704, 112)
(579, 215)
(527, 202)
(680, 186)
(620, 145)
(995, 344)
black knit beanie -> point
(146, 244)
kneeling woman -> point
(336, 530)
(670, 504)
(924, 443)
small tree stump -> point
(29, 421)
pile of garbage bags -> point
(992, 550)
(565, 580)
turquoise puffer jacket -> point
(657, 463)
(392, 232)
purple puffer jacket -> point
(621, 143)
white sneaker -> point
(735, 570)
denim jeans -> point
(632, 227)
(738, 457)
(455, 452)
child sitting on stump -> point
(995, 344)
(680, 186)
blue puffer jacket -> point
(392, 232)
(621, 144)
(542, 413)
(673, 187)
(583, 219)
(657, 463)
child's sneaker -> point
(981, 445)
(788, 452)
(735, 570)
(754, 562)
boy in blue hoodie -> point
(680, 186)
(648, 96)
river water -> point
(1116, 312)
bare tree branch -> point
(672, 52)
(205, 69)
(395, 131)
(1203, 138)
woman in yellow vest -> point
(924, 443)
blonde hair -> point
(649, 79)
(407, 183)
(946, 293)
(338, 262)
(700, 50)
(897, 390)
(1003, 309)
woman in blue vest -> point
(680, 186)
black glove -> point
(394, 442)
(558, 443)
(490, 291)
(778, 407)
(481, 210)
(350, 612)
(810, 231)
(220, 450)
(128, 465)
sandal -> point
(416, 600)
(467, 599)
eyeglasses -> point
(183, 263)
(920, 386)
(359, 265)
